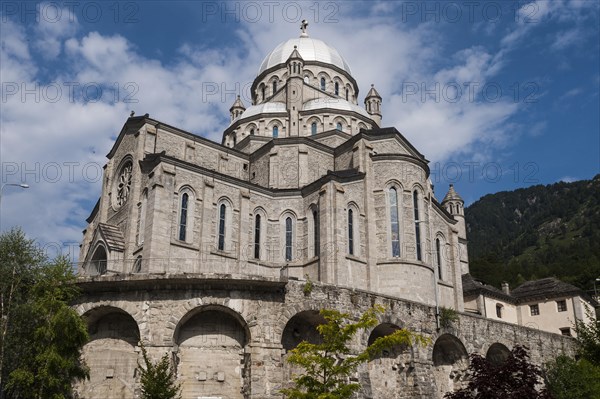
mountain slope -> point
(537, 232)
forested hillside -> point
(537, 232)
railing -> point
(212, 264)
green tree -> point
(588, 339)
(567, 378)
(329, 365)
(42, 335)
(158, 379)
(19, 261)
(516, 378)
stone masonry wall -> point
(226, 336)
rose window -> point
(124, 184)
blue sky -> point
(496, 94)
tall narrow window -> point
(438, 257)
(257, 237)
(288, 239)
(263, 93)
(337, 88)
(275, 132)
(313, 128)
(346, 94)
(339, 126)
(417, 225)
(323, 84)
(222, 210)
(183, 213)
(316, 233)
(350, 232)
(142, 218)
(274, 87)
(394, 223)
(251, 132)
(234, 140)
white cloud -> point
(79, 129)
(53, 26)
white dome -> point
(310, 50)
(264, 108)
(334, 103)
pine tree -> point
(158, 379)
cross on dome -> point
(303, 26)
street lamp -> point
(22, 185)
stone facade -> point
(202, 250)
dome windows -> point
(323, 84)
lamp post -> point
(22, 185)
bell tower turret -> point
(295, 81)
(236, 109)
(373, 105)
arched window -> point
(337, 88)
(313, 128)
(274, 86)
(275, 132)
(257, 237)
(288, 238)
(339, 126)
(251, 132)
(263, 93)
(137, 265)
(306, 79)
(323, 84)
(417, 224)
(183, 216)
(316, 244)
(234, 140)
(98, 263)
(142, 218)
(222, 214)
(346, 94)
(350, 232)
(394, 222)
(438, 257)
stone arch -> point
(391, 371)
(211, 355)
(98, 263)
(314, 119)
(450, 362)
(497, 354)
(112, 349)
(291, 249)
(302, 327)
(346, 127)
(251, 129)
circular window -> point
(124, 184)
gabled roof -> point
(113, 237)
(548, 288)
(471, 286)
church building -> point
(222, 254)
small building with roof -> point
(548, 304)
